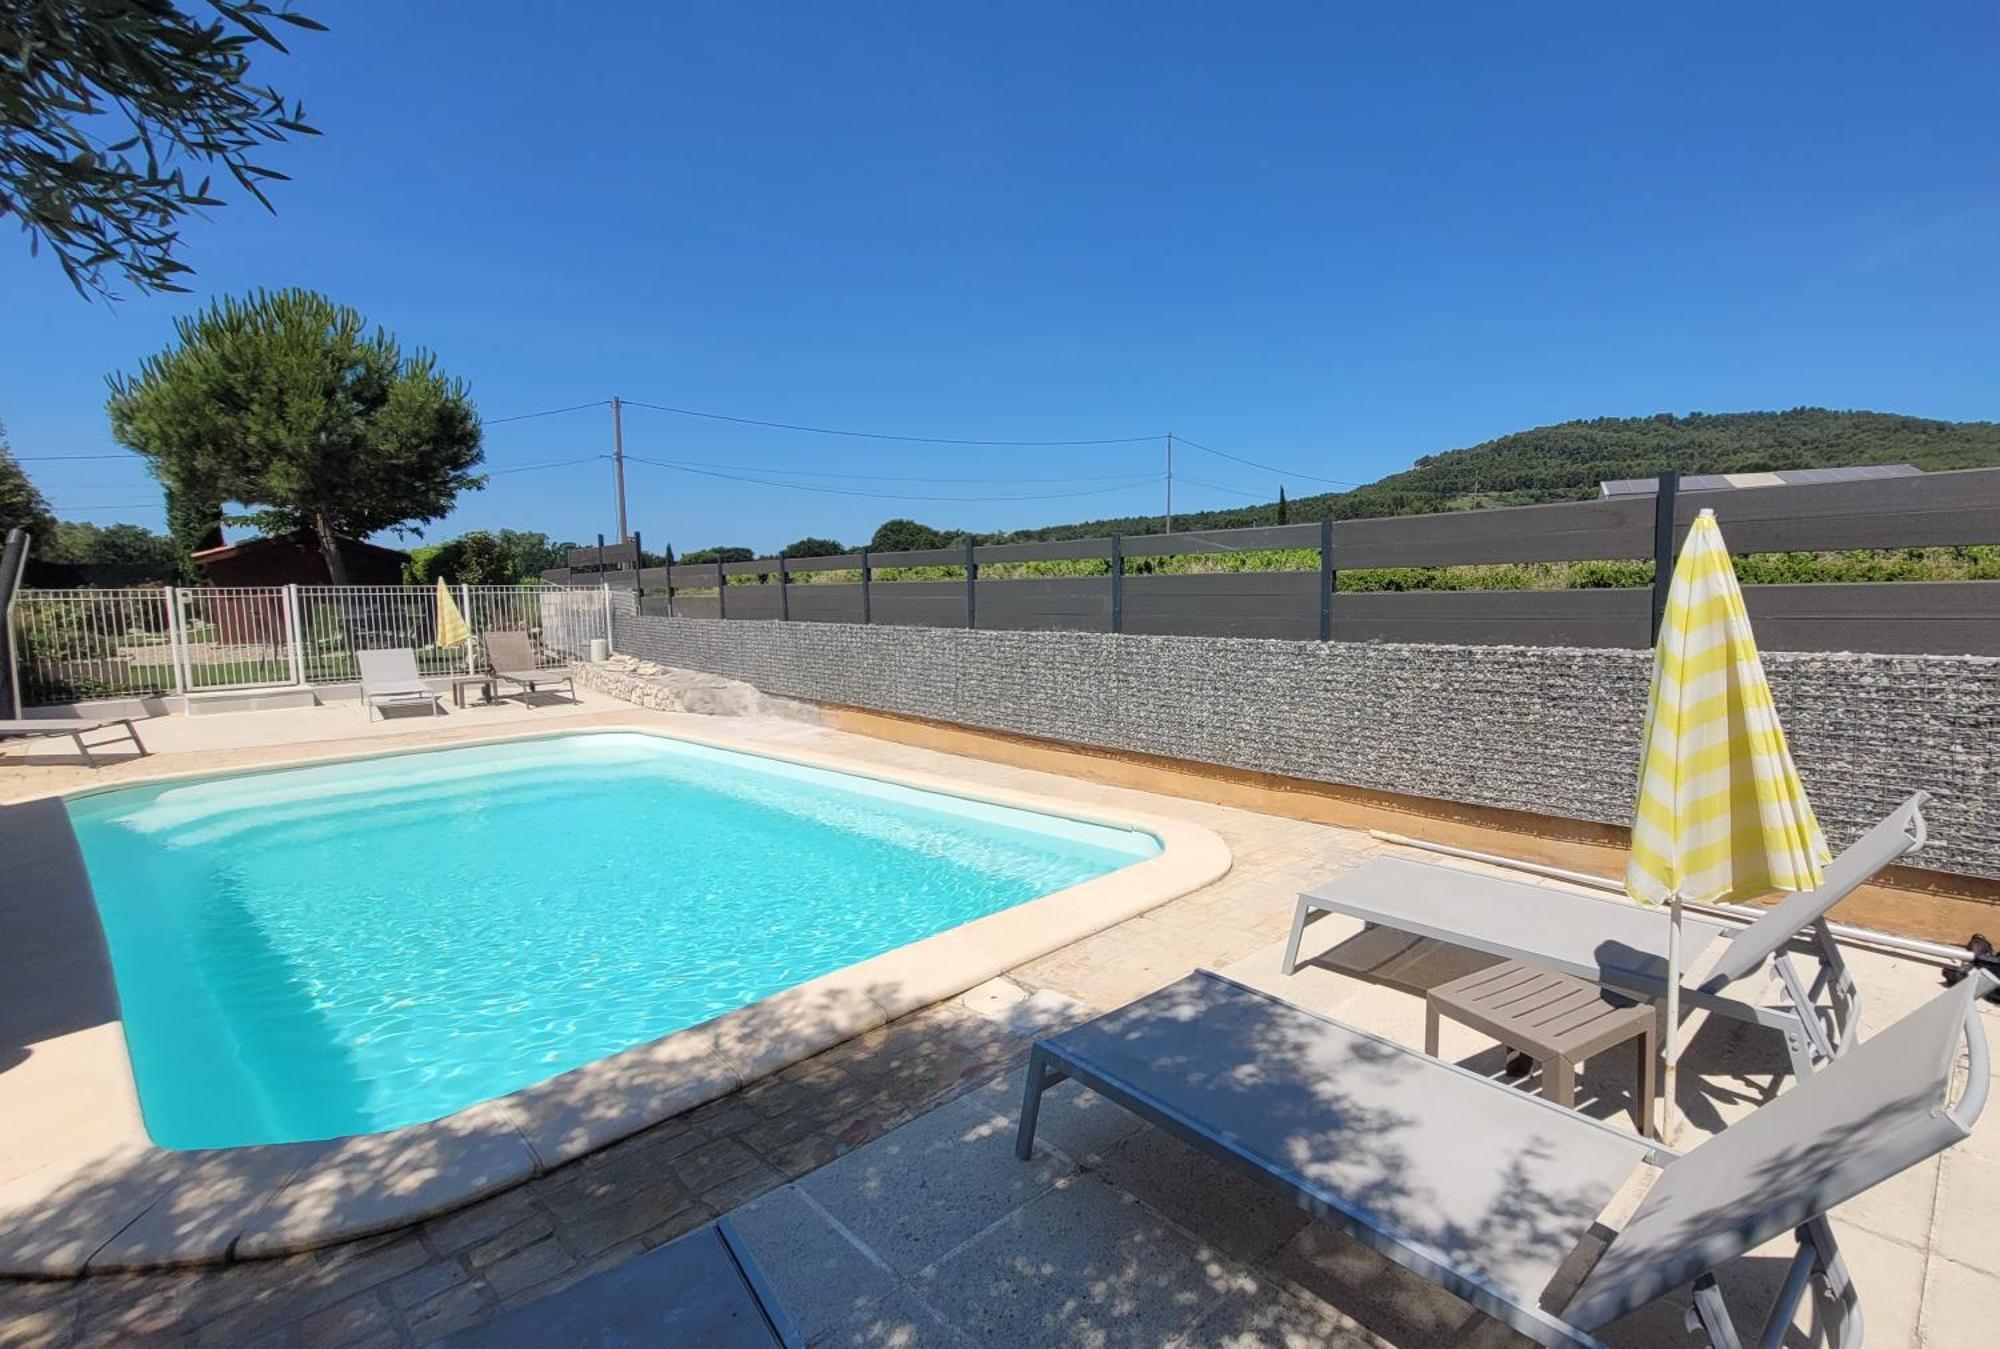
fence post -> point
(866, 572)
(176, 640)
(784, 590)
(609, 645)
(1663, 546)
(13, 563)
(465, 607)
(1326, 578)
(1118, 583)
(721, 591)
(971, 585)
(295, 633)
(670, 580)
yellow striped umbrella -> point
(451, 628)
(1721, 813)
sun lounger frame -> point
(527, 678)
(393, 687)
(36, 728)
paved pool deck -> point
(877, 1184)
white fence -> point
(76, 644)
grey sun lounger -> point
(511, 656)
(34, 727)
(389, 679)
(1623, 945)
(1503, 1199)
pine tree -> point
(286, 403)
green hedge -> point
(1980, 563)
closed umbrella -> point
(451, 627)
(1721, 813)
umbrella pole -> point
(1669, 1109)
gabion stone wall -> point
(1550, 730)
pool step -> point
(252, 700)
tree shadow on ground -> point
(607, 1151)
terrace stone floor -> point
(876, 1183)
(222, 740)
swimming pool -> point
(313, 952)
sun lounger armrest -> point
(1979, 1078)
(1878, 1110)
(1898, 835)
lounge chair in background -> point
(1507, 1201)
(35, 727)
(389, 679)
(1623, 945)
(511, 657)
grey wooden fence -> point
(1933, 509)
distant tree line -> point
(892, 536)
(486, 557)
(76, 542)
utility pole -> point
(618, 462)
(1170, 483)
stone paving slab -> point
(1263, 1316)
(823, 1277)
(1242, 1218)
(921, 1191)
(1079, 1124)
(1083, 1264)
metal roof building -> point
(1718, 482)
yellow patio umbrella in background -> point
(1721, 813)
(451, 626)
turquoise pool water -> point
(323, 951)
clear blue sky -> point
(1329, 241)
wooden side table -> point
(1557, 1020)
(460, 683)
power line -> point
(134, 457)
(899, 477)
(881, 435)
(887, 496)
(1268, 468)
(553, 463)
(1225, 487)
(545, 412)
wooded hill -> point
(1565, 462)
